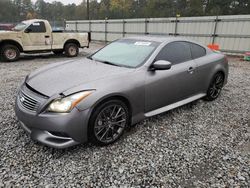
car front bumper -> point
(54, 129)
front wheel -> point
(71, 50)
(10, 53)
(215, 87)
(108, 122)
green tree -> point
(195, 8)
(17, 10)
(159, 8)
(40, 8)
(9, 13)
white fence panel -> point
(98, 36)
(83, 26)
(115, 26)
(230, 32)
(113, 36)
(196, 25)
(97, 25)
(135, 26)
(70, 26)
(161, 25)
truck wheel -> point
(10, 53)
(71, 50)
(58, 52)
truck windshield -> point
(20, 27)
(126, 52)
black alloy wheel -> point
(108, 122)
(215, 87)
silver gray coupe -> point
(95, 98)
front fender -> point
(17, 43)
(129, 87)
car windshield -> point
(126, 52)
(20, 27)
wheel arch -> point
(216, 69)
(120, 97)
(222, 72)
(11, 42)
(72, 41)
(219, 71)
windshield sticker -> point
(36, 24)
(143, 43)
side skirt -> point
(174, 105)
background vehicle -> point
(6, 27)
(128, 80)
(35, 36)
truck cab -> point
(36, 36)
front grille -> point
(28, 102)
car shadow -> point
(49, 56)
(28, 57)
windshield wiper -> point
(105, 62)
(109, 63)
(89, 57)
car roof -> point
(158, 38)
(164, 39)
(33, 20)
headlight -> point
(66, 104)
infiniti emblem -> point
(22, 99)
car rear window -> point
(197, 51)
(175, 52)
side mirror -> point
(161, 65)
(27, 30)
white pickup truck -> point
(36, 36)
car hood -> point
(59, 77)
(8, 34)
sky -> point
(64, 1)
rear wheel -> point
(215, 87)
(71, 50)
(108, 122)
(10, 53)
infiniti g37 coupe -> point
(95, 98)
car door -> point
(204, 66)
(36, 37)
(165, 87)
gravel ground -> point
(203, 144)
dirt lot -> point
(203, 144)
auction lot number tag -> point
(143, 43)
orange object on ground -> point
(214, 46)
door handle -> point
(191, 70)
(47, 36)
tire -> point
(58, 52)
(215, 86)
(71, 50)
(10, 53)
(108, 122)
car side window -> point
(175, 52)
(197, 51)
(37, 27)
